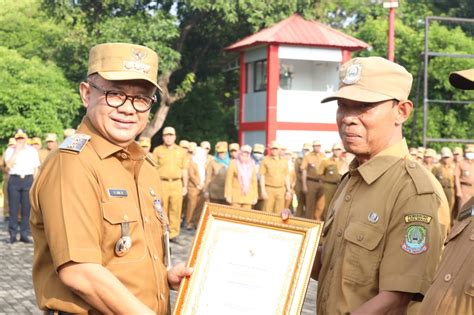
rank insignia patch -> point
(75, 143)
(415, 240)
(418, 217)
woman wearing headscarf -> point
(241, 188)
(197, 177)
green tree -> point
(34, 96)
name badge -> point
(120, 193)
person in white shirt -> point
(22, 162)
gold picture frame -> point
(248, 262)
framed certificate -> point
(248, 262)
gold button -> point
(339, 233)
(360, 237)
(125, 217)
(124, 156)
(471, 237)
(347, 198)
(162, 296)
(447, 277)
(146, 219)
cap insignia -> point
(137, 64)
(352, 74)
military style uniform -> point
(330, 172)
(215, 182)
(43, 153)
(314, 196)
(445, 175)
(194, 193)
(171, 163)
(275, 170)
(300, 209)
(465, 172)
(233, 188)
(452, 291)
(383, 233)
(88, 195)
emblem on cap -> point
(373, 217)
(415, 240)
(353, 73)
(137, 63)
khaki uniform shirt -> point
(465, 171)
(171, 161)
(311, 163)
(445, 175)
(275, 170)
(383, 232)
(43, 153)
(330, 170)
(78, 203)
(194, 178)
(233, 188)
(452, 291)
(215, 180)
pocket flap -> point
(119, 212)
(363, 235)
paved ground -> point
(16, 292)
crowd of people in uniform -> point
(104, 208)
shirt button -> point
(125, 217)
(447, 277)
(162, 296)
(124, 156)
(339, 233)
(412, 165)
(347, 198)
(360, 237)
(155, 257)
(146, 219)
(471, 237)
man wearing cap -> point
(258, 153)
(300, 195)
(311, 182)
(383, 236)
(22, 162)
(428, 159)
(68, 132)
(464, 176)
(99, 227)
(51, 144)
(233, 150)
(444, 172)
(452, 291)
(145, 144)
(274, 180)
(172, 166)
(458, 155)
(3, 167)
(215, 174)
(330, 172)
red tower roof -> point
(295, 30)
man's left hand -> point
(177, 273)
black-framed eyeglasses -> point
(116, 98)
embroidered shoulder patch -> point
(75, 143)
(418, 217)
(415, 240)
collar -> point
(379, 164)
(103, 147)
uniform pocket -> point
(362, 254)
(469, 287)
(115, 214)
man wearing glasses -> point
(99, 228)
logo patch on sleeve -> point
(415, 240)
(418, 217)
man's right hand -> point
(206, 196)
(264, 195)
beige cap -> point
(413, 151)
(234, 146)
(11, 141)
(469, 148)
(307, 146)
(69, 132)
(192, 147)
(169, 131)
(122, 61)
(20, 134)
(430, 153)
(206, 145)
(458, 150)
(246, 148)
(184, 144)
(317, 143)
(221, 147)
(144, 142)
(421, 149)
(274, 145)
(258, 148)
(446, 152)
(462, 79)
(372, 79)
(337, 146)
(51, 137)
(36, 140)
